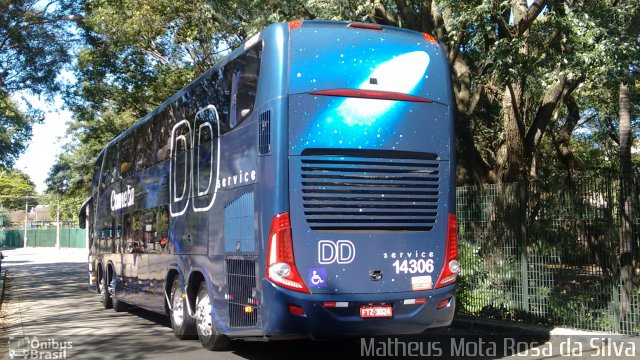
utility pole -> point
(26, 219)
(58, 225)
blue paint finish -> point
(331, 322)
(387, 60)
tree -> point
(517, 69)
(34, 47)
(15, 132)
(15, 187)
(629, 24)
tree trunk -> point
(512, 159)
(626, 177)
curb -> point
(500, 327)
(3, 277)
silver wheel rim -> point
(104, 290)
(112, 288)
(203, 315)
(178, 311)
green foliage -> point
(15, 131)
(69, 205)
(15, 186)
(138, 53)
(33, 49)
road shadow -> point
(443, 344)
(61, 310)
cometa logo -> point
(123, 199)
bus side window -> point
(151, 243)
(96, 176)
(107, 235)
(162, 126)
(144, 156)
(128, 155)
(110, 170)
(243, 73)
(127, 233)
(161, 227)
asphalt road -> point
(47, 308)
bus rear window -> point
(329, 58)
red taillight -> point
(371, 94)
(430, 38)
(451, 266)
(365, 26)
(294, 24)
(296, 310)
(281, 265)
(444, 303)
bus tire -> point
(105, 295)
(182, 324)
(209, 337)
(118, 305)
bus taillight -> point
(451, 267)
(295, 24)
(365, 26)
(281, 267)
(430, 38)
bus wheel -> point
(209, 337)
(105, 295)
(182, 324)
(118, 305)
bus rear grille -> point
(241, 284)
(369, 190)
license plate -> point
(376, 311)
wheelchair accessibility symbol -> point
(318, 277)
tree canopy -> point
(535, 83)
(15, 186)
(35, 43)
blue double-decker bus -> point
(304, 186)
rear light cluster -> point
(371, 94)
(430, 38)
(281, 266)
(451, 267)
(365, 26)
(294, 24)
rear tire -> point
(105, 296)
(118, 305)
(209, 337)
(182, 324)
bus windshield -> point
(323, 58)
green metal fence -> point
(536, 254)
(69, 238)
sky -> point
(46, 142)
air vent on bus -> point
(243, 298)
(239, 235)
(370, 190)
(264, 133)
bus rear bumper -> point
(329, 315)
